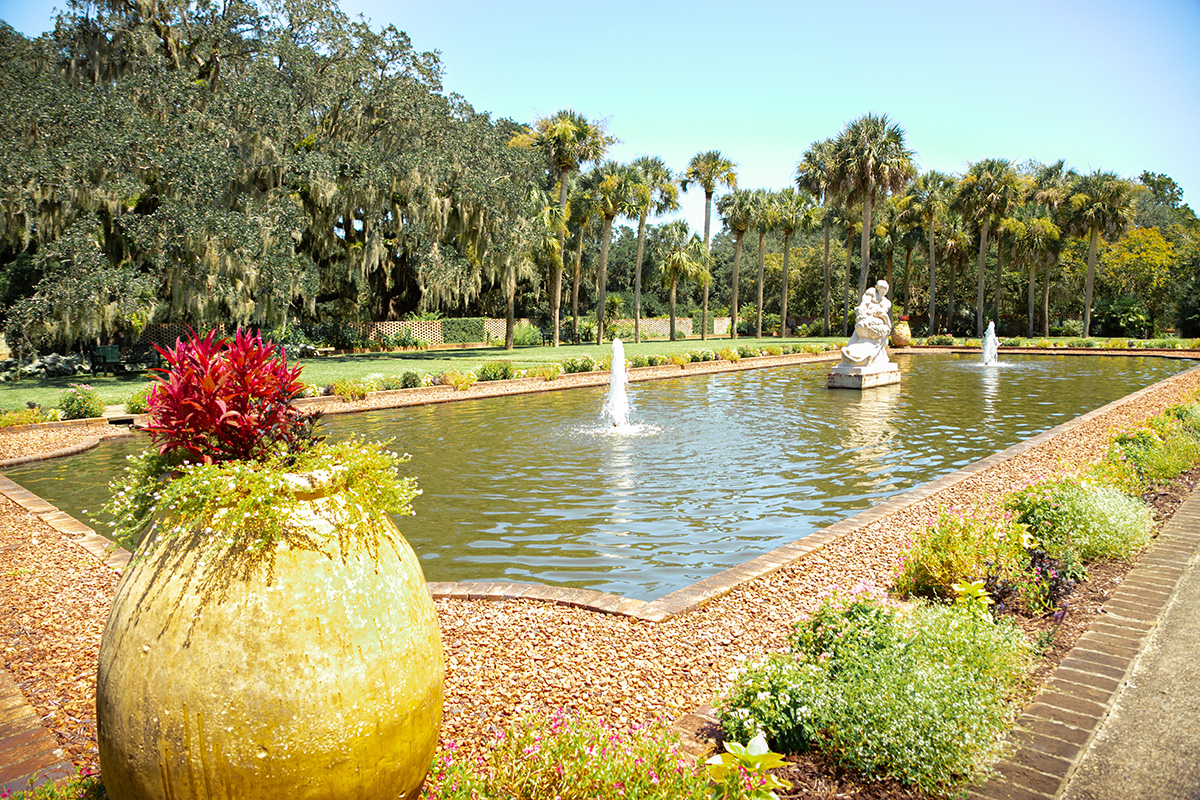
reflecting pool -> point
(713, 471)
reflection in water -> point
(869, 429)
(724, 467)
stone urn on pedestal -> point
(901, 333)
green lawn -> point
(322, 371)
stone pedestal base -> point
(863, 377)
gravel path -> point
(508, 658)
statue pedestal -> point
(863, 377)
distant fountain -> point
(616, 405)
(990, 345)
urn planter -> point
(311, 668)
(901, 334)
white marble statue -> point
(867, 348)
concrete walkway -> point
(1120, 717)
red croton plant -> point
(225, 399)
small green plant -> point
(656, 360)
(747, 767)
(959, 548)
(639, 361)
(82, 787)
(583, 363)
(23, 416)
(564, 758)
(410, 380)
(461, 381)
(729, 354)
(80, 401)
(139, 401)
(350, 391)
(773, 350)
(942, 340)
(547, 372)
(496, 371)
(679, 359)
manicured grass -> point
(323, 371)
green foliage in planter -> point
(410, 380)
(464, 330)
(656, 360)
(548, 372)
(496, 371)
(461, 381)
(80, 401)
(942, 340)
(583, 363)
(573, 759)
(959, 548)
(729, 354)
(139, 401)
(251, 504)
(1076, 520)
(1167, 446)
(922, 697)
(639, 361)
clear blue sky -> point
(1105, 85)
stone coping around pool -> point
(81, 447)
(673, 604)
(61, 423)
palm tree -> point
(1101, 202)
(612, 193)
(794, 210)
(568, 141)
(1034, 234)
(582, 213)
(956, 252)
(930, 195)
(871, 161)
(1052, 188)
(985, 194)
(815, 173)
(737, 211)
(655, 193)
(681, 256)
(763, 211)
(710, 169)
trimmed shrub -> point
(350, 391)
(583, 363)
(496, 371)
(24, 416)
(525, 335)
(464, 330)
(410, 380)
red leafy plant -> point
(225, 400)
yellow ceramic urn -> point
(901, 334)
(308, 669)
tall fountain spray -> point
(990, 344)
(616, 405)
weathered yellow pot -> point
(313, 670)
(901, 334)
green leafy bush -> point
(548, 372)
(920, 697)
(583, 363)
(139, 401)
(461, 381)
(729, 354)
(1168, 446)
(80, 401)
(656, 360)
(496, 371)
(1076, 520)
(638, 361)
(525, 335)
(350, 391)
(464, 330)
(958, 548)
(569, 759)
(942, 340)
(410, 380)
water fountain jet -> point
(616, 405)
(991, 345)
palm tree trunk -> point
(1090, 281)
(1029, 298)
(707, 220)
(556, 269)
(865, 246)
(907, 276)
(674, 283)
(846, 287)
(932, 283)
(825, 330)
(1046, 299)
(733, 306)
(637, 280)
(602, 278)
(950, 300)
(983, 243)
(575, 282)
(762, 241)
(1000, 278)
(787, 248)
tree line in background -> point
(206, 163)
